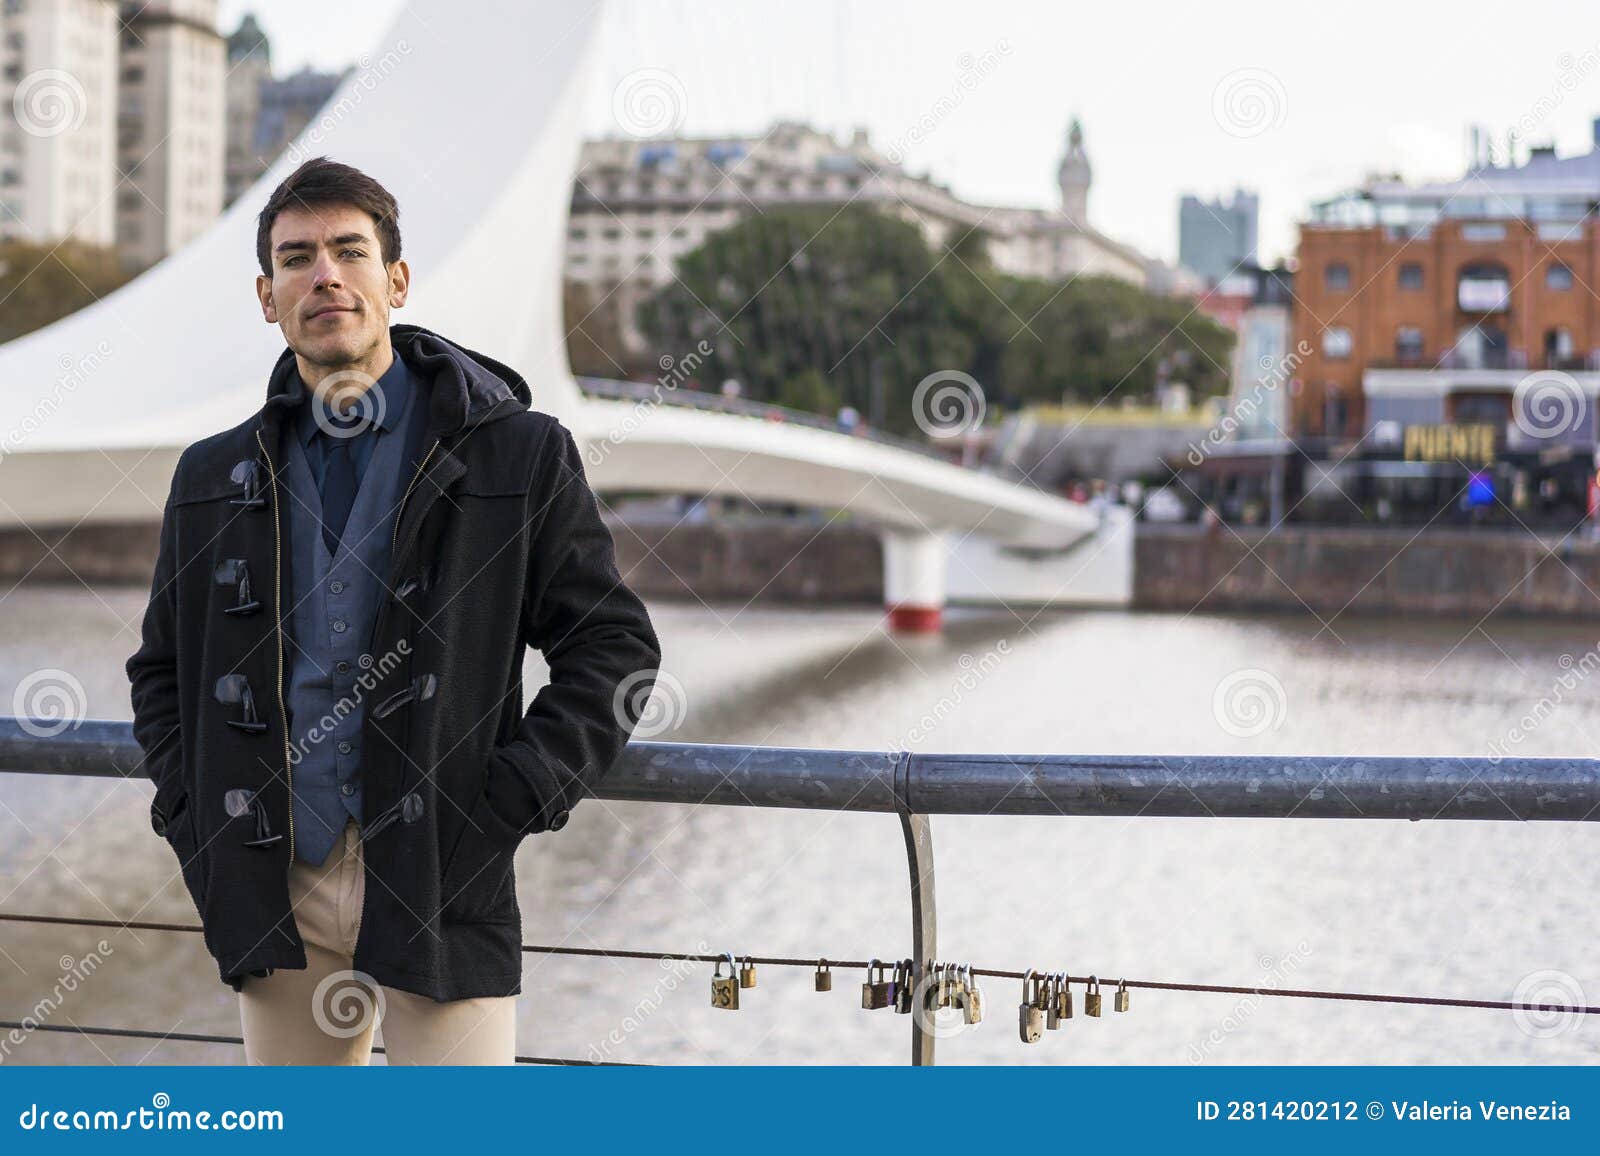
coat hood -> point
(466, 388)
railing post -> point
(918, 832)
(924, 926)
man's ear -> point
(399, 283)
(269, 311)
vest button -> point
(338, 626)
(344, 746)
(342, 666)
(347, 789)
(336, 586)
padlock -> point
(905, 976)
(958, 991)
(725, 988)
(1040, 993)
(1091, 997)
(1064, 997)
(824, 976)
(877, 992)
(973, 1011)
(1030, 1020)
(1119, 1002)
(1052, 1000)
(747, 973)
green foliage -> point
(811, 391)
(817, 307)
(43, 283)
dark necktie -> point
(338, 479)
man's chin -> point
(335, 350)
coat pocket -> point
(477, 883)
(173, 819)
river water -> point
(1480, 910)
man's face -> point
(330, 291)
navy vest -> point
(333, 601)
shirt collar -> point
(391, 395)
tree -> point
(43, 283)
(854, 299)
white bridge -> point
(470, 115)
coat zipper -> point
(277, 613)
(394, 541)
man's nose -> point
(325, 272)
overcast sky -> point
(1294, 102)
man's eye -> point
(356, 252)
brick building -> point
(1443, 321)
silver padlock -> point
(1119, 1002)
(1052, 1001)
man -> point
(328, 690)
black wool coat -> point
(498, 545)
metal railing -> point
(916, 786)
(604, 387)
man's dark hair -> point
(320, 181)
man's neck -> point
(350, 380)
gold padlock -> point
(1030, 1017)
(824, 976)
(1119, 1002)
(747, 973)
(972, 1011)
(1091, 997)
(725, 988)
(877, 992)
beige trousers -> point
(326, 1012)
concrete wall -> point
(1367, 571)
(1177, 568)
(761, 562)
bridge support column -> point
(914, 580)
